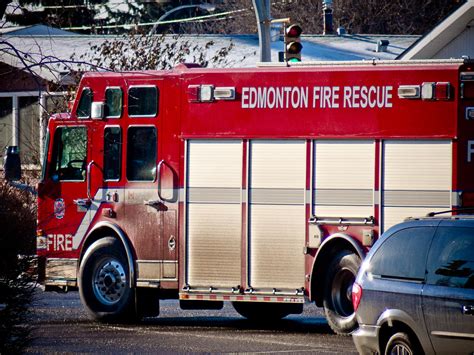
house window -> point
(6, 119)
(23, 120)
(29, 129)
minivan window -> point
(403, 254)
(451, 259)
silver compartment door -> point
(214, 213)
(416, 179)
(277, 214)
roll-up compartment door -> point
(344, 178)
(277, 214)
(214, 213)
(416, 179)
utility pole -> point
(262, 12)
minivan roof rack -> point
(465, 209)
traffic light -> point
(293, 44)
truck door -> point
(63, 201)
(150, 222)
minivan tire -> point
(400, 343)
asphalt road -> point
(61, 325)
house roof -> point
(443, 34)
(14, 79)
(34, 30)
(50, 56)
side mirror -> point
(98, 110)
(12, 164)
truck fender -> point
(331, 246)
(97, 231)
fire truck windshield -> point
(69, 154)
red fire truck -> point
(264, 187)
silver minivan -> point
(414, 292)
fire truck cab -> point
(264, 187)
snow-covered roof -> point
(54, 52)
(34, 30)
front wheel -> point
(400, 344)
(337, 300)
(104, 281)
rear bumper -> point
(366, 339)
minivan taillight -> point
(356, 295)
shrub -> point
(17, 276)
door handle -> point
(153, 203)
(468, 310)
(88, 178)
(159, 168)
(160, 164)
(83, 202)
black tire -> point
(401, 344)
(337, 301)
(147, 302)
(104, 281)
(265, 312)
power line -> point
(127, 26)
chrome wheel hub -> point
(400, 349)
(109, 282)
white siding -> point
(459, 46)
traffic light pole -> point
(262, 12)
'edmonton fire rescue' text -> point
(286, 97)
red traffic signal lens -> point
(294, 31)
(294, 48)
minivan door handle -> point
(468, 310)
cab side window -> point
(403, 255)
(143, 101)
(451, 259)
(141, 153)
(113, 102)
(69, 154)
(85, 102)
(112, 153)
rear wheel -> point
(104, 281)
(265, 312)
(337, 300)
(400, 344)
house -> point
(451, 38)
(27, 92)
